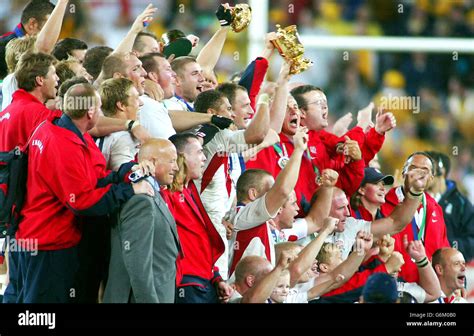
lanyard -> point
(278, 148)
(190, 108)
(315, 168)
(419, 233)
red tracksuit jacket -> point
(19, 119)
(350, 175)
(370, 143)
(435, 233)
(200, 242)
(252, 78)
(63, 185)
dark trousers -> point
(194, 289)
(94, 256)
(42, 276)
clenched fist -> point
(329, 178)
(394, 263)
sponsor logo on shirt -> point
(5, 117)
(38, 144)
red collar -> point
(23, 95)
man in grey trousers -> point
(144, 241)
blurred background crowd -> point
(444, 82)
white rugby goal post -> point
(257, 31)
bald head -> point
(250, 270)
(163, 154)
(339, 208)
(450, 267)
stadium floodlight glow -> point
(393, 44)
(257, 31)
(257, 28)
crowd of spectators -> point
(154, 177)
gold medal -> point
(283, 161)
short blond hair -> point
(111, 92)
(325, 253)
(17, 47)
(114, 63)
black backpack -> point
(13, 173)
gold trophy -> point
(241, 17)
(289, 46)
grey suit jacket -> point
(144, 248)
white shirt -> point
(174, 104)
(298, 231)
(119, 148)
(9, 86)
(154, 116)
(299, 293)
(346, 239)
(413, 289)
(248, 217)
(215, 197)
(236, 297)
(457, 299)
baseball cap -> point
(380, 288)
(373, 175)
(175, 42)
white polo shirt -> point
(154, 116)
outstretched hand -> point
(415, 248)
(300, 139)
(384, 122)
(144, 18)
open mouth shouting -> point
(293, 123)
(461, 280)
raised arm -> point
(262, 289)
(126, 45)
(306, 257)
(258, 127)
(286, 180)
(270, 139)
(279, 104)
(106, 126)
(48, 36)
(321, 207)
(404, 212)
(184, 120)
(349, 266)
(334, 281)
(428, 279)
(255, 72)
(210, 53)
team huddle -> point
(148, 181)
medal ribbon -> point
(278, 148)
(315, 168)
(418, 234)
